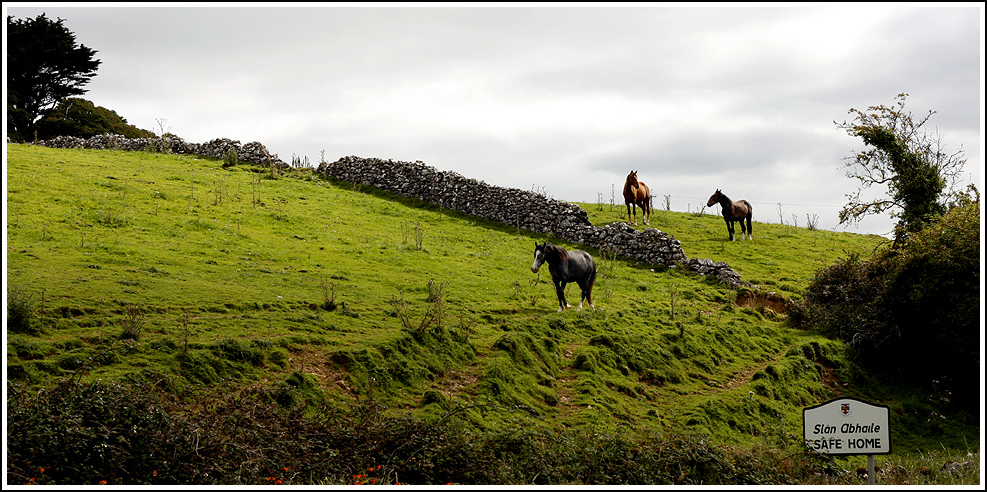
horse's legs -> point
(646, 212)
(730, 228)
(586, 292)
(560, 290)
(750, 228)
(629, 213)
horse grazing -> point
(567, 266)
(637, 194)
(734, 211)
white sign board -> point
(847, 426)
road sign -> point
(847, 426)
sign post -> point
(848, 426)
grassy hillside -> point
(177, 272)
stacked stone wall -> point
(523, 209)
(253, 152)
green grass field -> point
(174, 270)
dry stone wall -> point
(253, 152)
(524, 209)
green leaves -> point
(910, 163)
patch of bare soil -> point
(454, 383)
(315, 363)
(767, 300)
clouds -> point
(566, 98)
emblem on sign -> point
(845, 410)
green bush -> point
(230, 160)
(21, 315)
(77, 117)
(913, 311)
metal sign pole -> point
(871, 479)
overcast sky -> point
(566, 100)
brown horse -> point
(637, 194)
(734, 211)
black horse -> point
(734, 211)
(567, 266)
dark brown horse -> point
(738, 211)
(637, 194)
(567, 266)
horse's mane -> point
(561, 252)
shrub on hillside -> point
(913, 311)
(21, 316)
(77, 117)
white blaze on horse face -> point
(539, 259)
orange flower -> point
(102, 482)
(278, 482)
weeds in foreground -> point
(329, 288)
(133, 322)
(129, 434)
(432, 318)
(417, 233)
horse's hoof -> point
(559, 311)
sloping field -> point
(178, 272)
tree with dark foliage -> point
(44, 66)
(81, 118)
(911, 312)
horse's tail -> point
(589, 288)
(748, 217)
